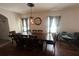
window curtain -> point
(57, 20)
(24, 24)
(53, 24)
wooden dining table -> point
(38, 35)
(41, 37)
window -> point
(25, 23)
(53, 23)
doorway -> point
(4, 29)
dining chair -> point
(20, 40)
(12, 34)
(52, 42)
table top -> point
(41, 36)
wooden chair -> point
(11, 34)
(35, 43)
(18, 38)
(52, 42)
(40, 31)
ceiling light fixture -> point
(31, 17)
(33, 20)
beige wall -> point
(12, 19)
(69, 19)
(43, 25)
(4, 29)
(13, 23)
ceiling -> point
(22, 8)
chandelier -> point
(33, 20)
(31, 17)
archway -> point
(4, 27)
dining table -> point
(44, 38)
(41, 36)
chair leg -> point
(44, 46)
(12, 41)
(54, 50)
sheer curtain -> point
(25, 24)
(53, 24)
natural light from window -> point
(53, 26)
(24, 23)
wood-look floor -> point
(12, 50)
(61, 49)
(66, 49)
